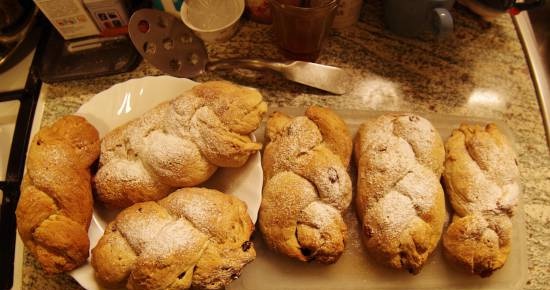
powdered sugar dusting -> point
(176, 236)
(485, 175)
(393, 158)
(419, 185)
(333, 186)
(298, 138)
(217, 143)
(126, 170)
(160, 137)
(202, 212)
(284, 196)
(318, 215)
(141, 224)
(164, 147)
(163, 238)
(309, 213)
(399, 170)
(418, 132)
(393, 213)
(484, 188)
(300, 149)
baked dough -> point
(400, 201)
(56, 204)
(307, 186)
(194, 237)
(482, 181)
(179, 143)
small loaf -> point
(400, 202)
(194, 237)
(179, 143)
(56, 204)
(307, 186)
(481, 178)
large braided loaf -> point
(307, 186)
(194, 237)
(482, 180)
(400, 201)
(179, 143)
(55, 207)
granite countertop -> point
(480, 71)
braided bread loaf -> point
(194, 237)
(179, 143)
(482, 180)
(307, 185)
(400, 201)
(55, 207)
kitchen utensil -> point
(300, 30)
(214, 20)
(324, 77)
(411, 18)
(173, 48)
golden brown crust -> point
(55, 207)
(400, 201)
(482, 180)
(194, 237)
(307, 186)
(179, 143)
(275, 125)
(335, 132)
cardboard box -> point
(108, 14)
(69, 17)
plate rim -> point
(85, 274)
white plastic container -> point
(212, 20)
(355, 270)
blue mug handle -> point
(442, 22)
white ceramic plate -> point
(128, 100)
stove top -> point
(16, 126)
(8, 117)
(14, 72)
(15, 77)
(19, 95)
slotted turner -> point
(173, 48)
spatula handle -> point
(255, 64)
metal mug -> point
(411, 18)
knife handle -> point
(254, 64)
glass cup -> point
(300, 26)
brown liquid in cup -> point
(300, 26)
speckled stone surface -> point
(479, 71)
